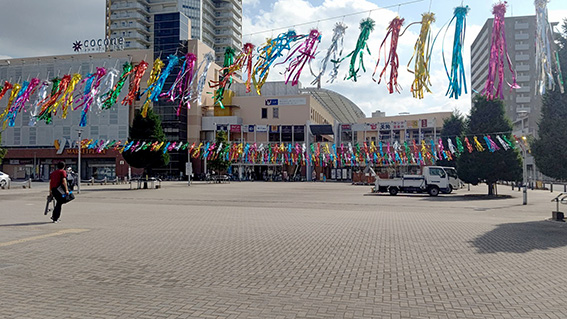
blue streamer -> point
(457, 80)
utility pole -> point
(79, 163)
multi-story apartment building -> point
(217, 23)
(523, 105)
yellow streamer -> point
(268, 47)
(154, 76)
(477, 145)
(67, 97)
(422, 54)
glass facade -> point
(171, 31)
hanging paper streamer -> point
(333, 53)
(183, 83)
(202, 71)
(28, 88)
(106, 87)
(13, 95)
(134, 89)
(305, 53)
(67, 97)
(225, 79)
(112, 96)
(7, 87)
(154, 75)
(457, 80)
(90, 92)
(246, 56)
(44, 113)
(498, 50)
(543, 44)
(366, 27)
(392, 59)
(173, 61)
(41, 96)
(268, 53)
(422, 54)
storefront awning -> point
(321, 129)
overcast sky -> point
(38, 28)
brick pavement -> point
(280, 250)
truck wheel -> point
(433, 191)
(393, 191)
(449, 190)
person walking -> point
(58, 178)
(71, 180)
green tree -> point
(149, 130)
(549, 149)
(452, 127)
(218, 164)
(488, 116)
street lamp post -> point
(525, 175)
(79, 163)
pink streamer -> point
(306, 54)
(498, 50)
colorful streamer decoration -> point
(333, 53)
(244, 61)
(268, 53)
(457, 80)
(392, 59)
(28, 88)
(67, 97)
(544, 57)
(41, 96)
(422, 54)
(366, 27)
(182, 85)
(202, 71)
(90, 91)
(225, 79)
(5, 88)
(13, 95)
(134, 89)
(112, 95)
(106, 87)
(305, 53)
(154, 75)
(498, 50)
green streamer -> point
(366, 27)
(113, 94)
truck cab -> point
(454, 180)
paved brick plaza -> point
(280, 250)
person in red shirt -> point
(57, 178)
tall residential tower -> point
(217, 23)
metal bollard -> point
(551, 187)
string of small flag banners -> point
(101, 89)
(321, 154)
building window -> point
(276, 113)
(264, 113)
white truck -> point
(434, 179)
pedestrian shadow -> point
(26, 224)
(522, 237)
